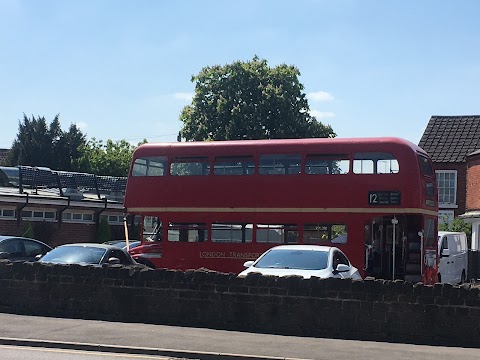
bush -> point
(458, 225)
(104, 232)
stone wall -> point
(370, 310)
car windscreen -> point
(294, 259)
(75, 255)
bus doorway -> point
(393, 248)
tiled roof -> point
(451, 138)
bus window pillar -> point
(420, 233)
(394, 224)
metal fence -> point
(40, 178)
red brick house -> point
(472, 212)
(59, 207)
(453, 143)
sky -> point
(122, 69)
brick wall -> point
(473, 183)
(371, 310)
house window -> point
(7, 213)
(77, 217)
(38, 215)
(112, 219)
(447, 187)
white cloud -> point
(320, 96)
(322, 114)
(183, 96)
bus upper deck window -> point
(189, 166)
(241, 165)
(280, 164)
(327, 164)
(375, 163)
(149, 166)
(425, 165)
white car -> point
(303, 260)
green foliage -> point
(249, 100)
(28, 231)
(443, 226)
(112, 158)
(461, 226)
(103, 232)
(40, 145)
(457, 225)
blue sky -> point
(122, 69)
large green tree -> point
(112, 158)
(39, 144)
(249, 100)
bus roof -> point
(239, 146)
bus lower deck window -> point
(277, 233)
(324, 233)
(187, 232)
(232, 233)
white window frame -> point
(80, 217)
(106, 216)
(440, 189)
(5, 217)
(39, 215)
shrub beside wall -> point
(370, 310)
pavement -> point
(204, 344)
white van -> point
(452, 257)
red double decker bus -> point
(218, 204)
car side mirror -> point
(38, 257)
(4, 255)
(249, 263)
(445, 253)
(114, 261)
(342, 268)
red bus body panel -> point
(298, 198)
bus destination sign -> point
(384, 198)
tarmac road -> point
(197, 343)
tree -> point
(70, 144)
(457, 225)
(112, 158)
(249, 100)
(40, 145)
